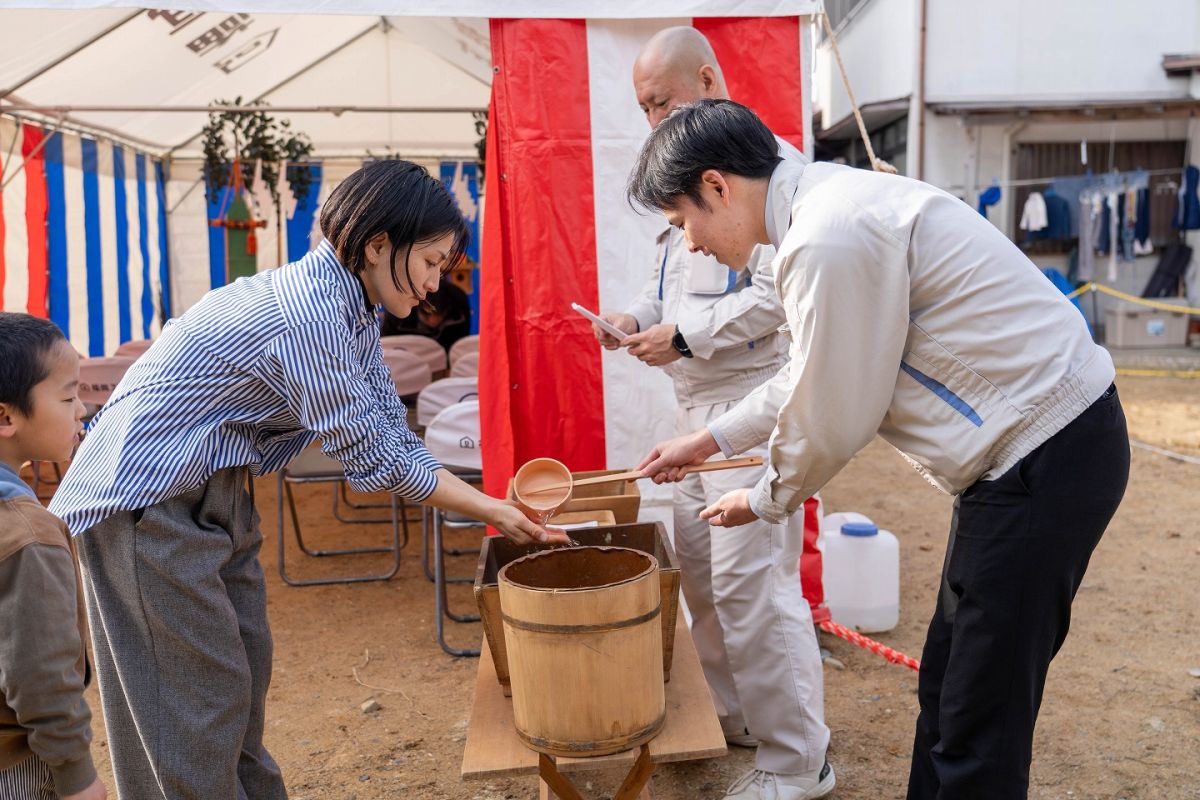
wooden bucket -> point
(582, 628)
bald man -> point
(716, 333)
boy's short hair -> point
(708, 134)
(25, 345)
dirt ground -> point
(1121, 718)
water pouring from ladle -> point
(532, 488)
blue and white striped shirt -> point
(251, 375)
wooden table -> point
(691, 731)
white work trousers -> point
(751, 624)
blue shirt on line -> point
(250, 376)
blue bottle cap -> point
(860, 529)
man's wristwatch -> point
(679, 344)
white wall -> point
(879, 50)
(1031, 49)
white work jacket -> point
(730, 320)
(913, 317)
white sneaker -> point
(759, 784)
(743, 739)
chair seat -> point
(456, 520)
(313, 465)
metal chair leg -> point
(35, 471)
(395, 549)
(440, 595)
(425, 513)
(320, 553)
(343, 499)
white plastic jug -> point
(862, 573)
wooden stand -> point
(692, 731)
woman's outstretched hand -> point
(513, 523)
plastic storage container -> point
(862, 573)
(1132, 325)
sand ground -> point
(1121, 717)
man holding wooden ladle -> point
(915, 319)
(715, 331)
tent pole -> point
(8, 157)
(32, 153)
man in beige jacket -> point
(913, 318)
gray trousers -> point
(178, 611)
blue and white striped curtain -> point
(105, 258)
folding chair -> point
(410, 372)
(37, 481)
(430, 402)
(440, 394)
(422, 346)
(409, 376)
(313, 466)
(133, 348)
(466, 366)
(452, 437)
(464, 346)
(98, 377)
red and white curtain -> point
(564, 130)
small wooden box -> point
(649, 537)
(623, 498)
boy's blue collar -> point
(11, 485)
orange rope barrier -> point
(854, 637)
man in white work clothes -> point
(716, 333)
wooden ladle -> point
(633, 475)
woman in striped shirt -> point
(238, 386)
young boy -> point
(45, 724)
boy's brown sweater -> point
(43, 655)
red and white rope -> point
(854, 637)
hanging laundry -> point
(1071, 189)
(988, 197)
(1141, 234)
(1187, 215)
(1085, 266)
(1113, 213)
(1103, 229)
(1033, 217)
(1058, 219)
(1128, 202)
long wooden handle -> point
(633, 475)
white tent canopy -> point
(358, 76)
(80, 63)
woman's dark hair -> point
(25, 346)
(398, 198)
(708, 134)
